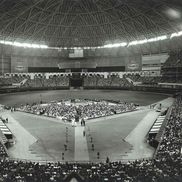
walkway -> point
(137, 138)
(23, 140)
(81, 148)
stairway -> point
(3, 138)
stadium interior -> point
(90, 90)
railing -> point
(76, 162)
(5, 149)
(3, 138)
(161, 132)
(9, 90)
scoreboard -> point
(76, 53)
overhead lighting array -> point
(178, 34)
(132, 43)
(122, 44)
(144, 41)
(25, 45)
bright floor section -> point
(81, 148)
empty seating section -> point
(174, 60)
(156, 126)
(155, 129)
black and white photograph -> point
(90, 90)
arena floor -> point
(50, 135)
(41, 138)
(141, 98)
(109, 135)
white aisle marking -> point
(137, 138)
(81, 148)
(23, 140)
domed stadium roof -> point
(68, 23)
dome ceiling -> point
(69, 23)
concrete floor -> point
(120, 137)
(141, 98)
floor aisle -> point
(23, 140)
(81, 148)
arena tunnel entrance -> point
(76, 81)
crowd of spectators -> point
(114, 81)
(153, 79)
(53, 81)
(6, 80)
(86, 110)
(111, 81)
(170, 149)
(3, 152)
(145, 170)
(89, 81)
(164, 167)
(39, 81)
